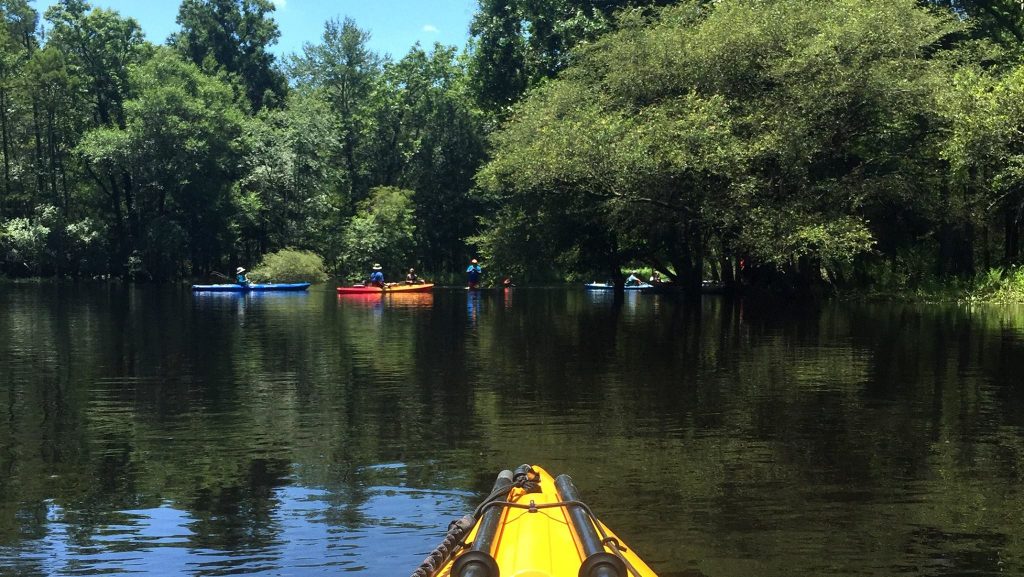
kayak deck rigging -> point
(533, 525)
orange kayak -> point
(532, 525)
(398, 288)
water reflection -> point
(302, 538)
(149, 430)
(473, 306)
(389, 300)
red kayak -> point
(398, 288)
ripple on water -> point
(393, 522)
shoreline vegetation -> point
(807, 146)
(997, 287)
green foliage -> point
(104, 45)
(287, 191)
(288, 266)
(1000, 22)
(180, 147)
(431, 140)
(343, 72)
(998, 285)
(382, 231)
(824, 141)
(85, 248)
(44, 244)
(995, 285)
(772, 131)
(831, 241)
(234, 36)
(408, 124)
(985, 150)
(23, 244)
(517, 44)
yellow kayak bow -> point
(532, 525)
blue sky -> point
(394, 25)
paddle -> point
(229, 279)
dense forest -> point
(790, 143)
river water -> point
(151, 431)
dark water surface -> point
(150, 431)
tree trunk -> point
(1011, 239)
(986, 249)
(51, 165)
(122, 232)
(956, 251)
(51, 161)
(6, 150)
(965, 251)
(38, 137)
(728, 275)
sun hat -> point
(376, 266)
(473, 261)
(239, 270)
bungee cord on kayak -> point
(575, 542)
(460, 527)
(452, 540)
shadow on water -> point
(151, 430)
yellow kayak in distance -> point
(532, 525)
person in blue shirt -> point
(377, 277)
(473, 272)
(240, 277)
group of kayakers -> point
(473, 274)
(634, 280)
(377, 277)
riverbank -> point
(996, 286)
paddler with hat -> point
(377, 276)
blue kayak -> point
(237, 288)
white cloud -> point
(430, 28)
(280, 4)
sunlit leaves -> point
(180, 147)
(736, 128)
(382, 231)
(234, 36)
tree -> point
(986, 151)
(233, 35)
(104, 45)
(285, 193)
(518, 43)
(56, 91)
(1001, 21)
(344, 72)
(383, 230)
(409, 124)
(17, 42)
(429, 139)
(101, 46)
(725, 130)
(180, 146)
